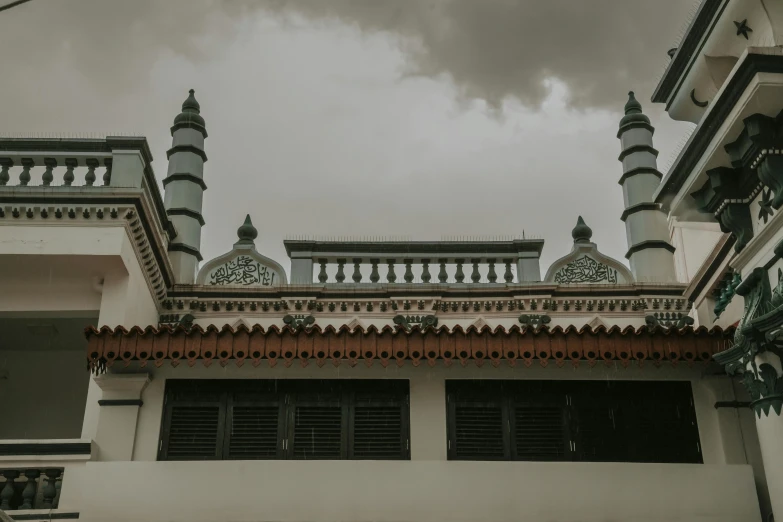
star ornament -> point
(765, 205)
(743, 29)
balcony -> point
(32, 474)
(82, 198)
(316, 491)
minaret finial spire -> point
(633, 112)
(581, 232)
(632, 106)
(247, 232)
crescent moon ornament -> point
(697, 102)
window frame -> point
(576, 398)
(288, 393)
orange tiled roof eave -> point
(395, 345)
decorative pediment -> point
(586, 265)
(243, 266)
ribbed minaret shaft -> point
(649, 251)
(184, 186)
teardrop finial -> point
(581, 232)
(247, 232)
(632, 106)
(633, 113)
(190, 104)
(190, 116)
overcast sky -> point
(418, 118)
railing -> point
(66, 162)
(32, 473)
(30, 488)
(433, 262)
(76, 167)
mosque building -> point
(405, 380)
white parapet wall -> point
(431, 491)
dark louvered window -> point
(596, 421)
(380, 425)
(287, 419)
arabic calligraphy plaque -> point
(586, 270)
(244, 271)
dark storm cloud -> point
(491, 49)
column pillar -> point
(428, 418)
(764, 380)
(119, 410)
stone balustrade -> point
(30, 488)
(66, 162)
(32, 473)
(409, 262)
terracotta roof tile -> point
(395, 345)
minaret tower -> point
(649, 251)
(184, 186)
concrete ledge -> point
(50, 449)
(413, 491)
(42, 515)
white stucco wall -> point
(426, 491)
(67, 267)
(693, 243)
(428, 487)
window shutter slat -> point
(254, 431)
(378, 426)
(599, 434)
(539, 432)
(317, 429)
(478, 431)
(193, 431)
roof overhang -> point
(754, 78)
(397, 345)
(689, 49)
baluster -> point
(28, 494)
(48, 177)
(107, 174)
(459, 275)
(340, 277)
(408, 272)
(390, 275)
(7, 494)
(491, 275)
(508, 276)
(357, 270)
(24, 176)
(425, 271)
(374, 275)
(5, 164)
(50, 490)
(474, 275)
(89, 178)
(442, 275)
(58, 485)
(322, 277)
(70, 164)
